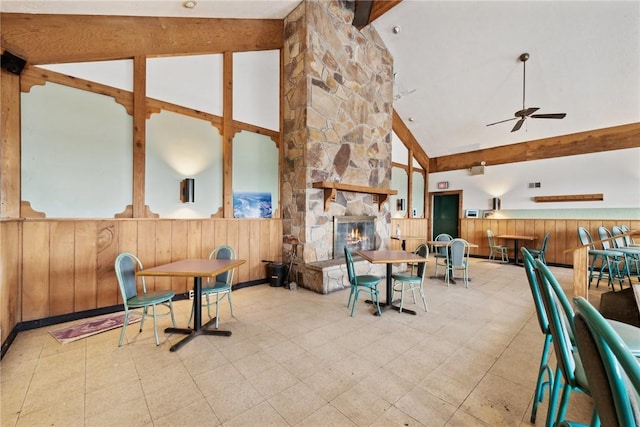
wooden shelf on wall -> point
(570, 198)
(330, 189)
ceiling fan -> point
(523, 114)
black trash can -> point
(277, 273)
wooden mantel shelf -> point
(570, 198)
(330, 189)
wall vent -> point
(534, 185)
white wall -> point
(616, 174)
(77, 145)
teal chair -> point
(623, 265)
(126, 266)
(458, 260)
(611, 368)
(220, 287)
(569, 373)
(623, 243)
(440, 253)
(495, 248)
(540, 253)
(609, 260)
(403, 282)
(545, 369)
(365, 282)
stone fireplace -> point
(337, 118)
(356, 232)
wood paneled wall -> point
(564, 234)
(53, 267)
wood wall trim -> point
(139, 134)
(51, 39)
(9, 145)
(592, 141)
(405, 135)
(228, 131)
(570, 198)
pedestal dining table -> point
(516, 238)
(389, 257)
(196, 268)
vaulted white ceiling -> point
(457, 61)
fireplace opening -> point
(358, 233)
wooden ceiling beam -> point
(51, 39)
(409, 141)
(593, 141)
(380, 7)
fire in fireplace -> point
(355, 232)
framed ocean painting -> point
(252, 204)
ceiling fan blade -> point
(550, 116)
(502, 121)
(528, 111)
(518, 125)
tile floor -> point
(296, 358)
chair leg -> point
(355, 299)
(540, 385)
(217, 308)
(155, 326)
(230, 305)
(144, 315)
(424, 300)
(173, 319)
(124, 327)
(376, 297)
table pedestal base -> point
(384, 307)
(192, 333)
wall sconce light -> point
(400, 204)
(496, 203)
(188, 190)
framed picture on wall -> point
(250, 204)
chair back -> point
(529, 268)
(585, 237)
(423, 251)
(351, 271)
(545, 242)
(443, 237)
(458, 253)
(490, 238)
(126, 266)
(611, 369)
(560, 315)
(621, 241)
(224, 252)
(604, 234)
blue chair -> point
(126, 265)
(569, 374)
(458, 260)
(365, 282)
(609, 260)
(221, 287)
(622, 243)
(608, 243)
(440, 253)
(610, 366)
(410, 282)
(540, 253)
(545, 369)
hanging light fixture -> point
(188, 190)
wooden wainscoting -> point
(410, 227)
(564, 233)
(68, 265)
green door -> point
(446, 214)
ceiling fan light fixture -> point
(396, 29)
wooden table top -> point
(401, 237)
(443, 243)
(192, 268)
(390, 256)
(516, 237)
